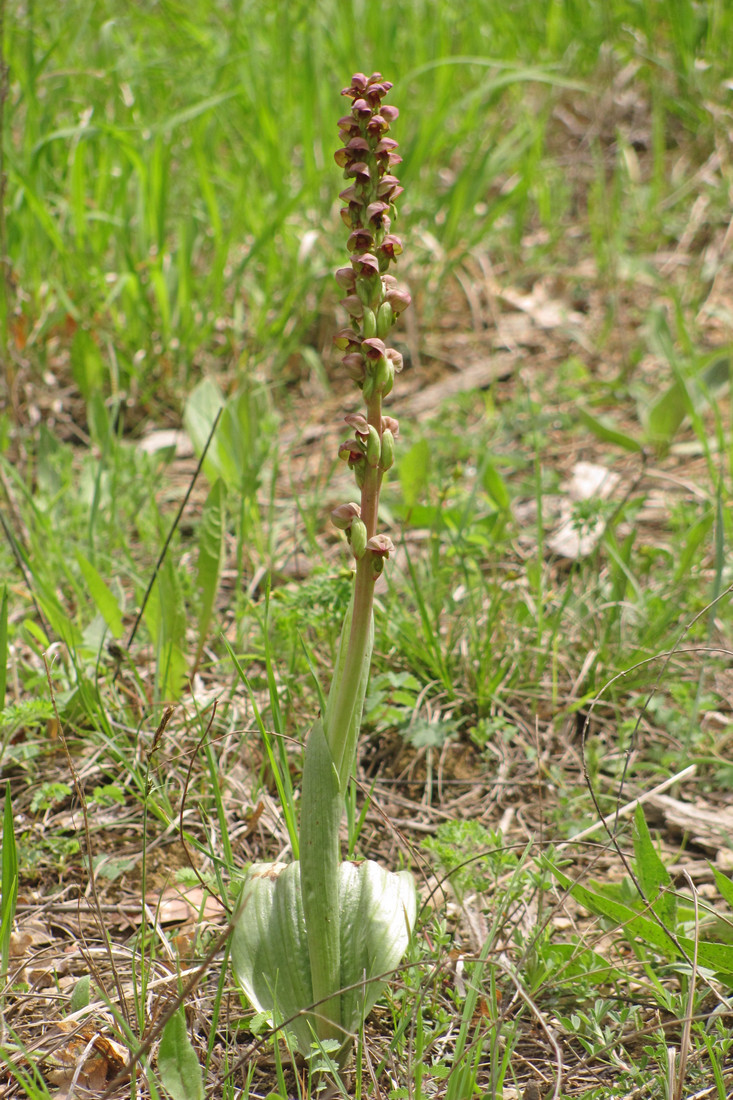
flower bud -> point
(360, 171)
(386, 186)
(382, 150)
(359, 423)
(365, 264)
(347, 340)
(358, 538)
(399, 299)
(377, 125)
(389, 249)
(346, 278)
(389, 424)
(357, 147)
(384, 376)
(381, 545)
(343, 516)
(350, 215)
(361, 110)
(351, 451)
(385, 319)
(373, 348)
(368, 324)
(368, 387)
(376, 212)
(354, 366)
(348, 123)
(360, 241)
(373, 447)
(395, 358)
(386, 458)
(354, 306)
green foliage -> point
(144, 258)
(178, 1064)
(211, 535)
(463, 849)
(49, 795)
(8, 883)
(649, 916)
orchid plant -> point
(313, 940)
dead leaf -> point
(84, 1054)
(572, 539)
(176, 905)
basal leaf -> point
(605, 430)
(652, 874)
(178, 1064)
(724, 884)
(413, 472)
(211, 544)
(102, 596)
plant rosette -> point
(377, 910)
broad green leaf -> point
(717, 957)
(377, 911)
(627, 919)
(3, 644)
(202, 406)
(724, 884)
(87, 366)
(270, 947)
(663, 420)
(605, 430)
(413, 471)
(322, 805)
(653, 875)
(210, 533)
(8, 882)
(495, 486)
(178, 1064)
(81, 993)
(105, 602)
(639, 930)
(170, 637)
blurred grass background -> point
(170, 182)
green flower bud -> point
(368, 387)
(344, 515)
(373, 447)
(387, 455)
(369, 324)
(385, 319)
(384, 376)
(358, 538)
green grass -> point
(171, 232)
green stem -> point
(329, 761)
(346, 697)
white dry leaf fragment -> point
(573, 538)
(589, 479)
(546, 312)
(163, 439)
